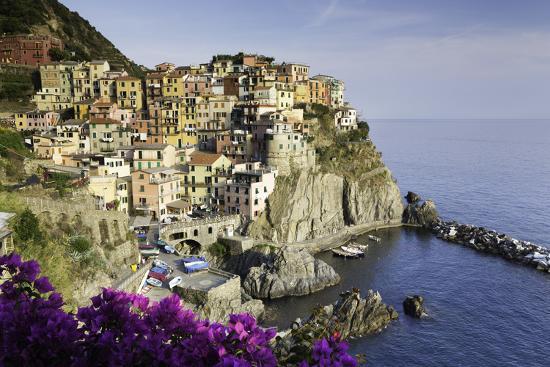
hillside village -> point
(188, 154)
(212, 136)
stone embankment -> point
(485, 240)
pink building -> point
(157, 190)
(197, 85)
(247, 191)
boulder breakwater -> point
(424, 214)
(489, 241)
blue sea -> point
(484, 311)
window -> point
(209, 230)
(141, 188)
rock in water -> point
(412, 198)
(291, 272)
(414, 306)
(424, 215)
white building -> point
(345, 119)
(247, 191)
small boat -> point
(358, 246)
(174, 282)
(345, 254)
(159, 270)
(353, 250)
(146, 247)
(151, 252)
(374, 238)
(169, 249)
(154, 282)
(161, 264)
(158, 276)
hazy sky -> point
(399, 59)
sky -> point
(425, 59)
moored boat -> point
(353, 250)
(374, 238)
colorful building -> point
(247, 190)
(36, 120)
(27, 49)
(204, 179)
(154, 190)
(129, 93)
(106, 135)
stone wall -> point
(204, 231)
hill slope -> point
(52, 17)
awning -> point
(140, 221)
(179, 204)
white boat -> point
(353, 250)
(358, 245)
(154, 282)
(177, 280)
(161, 264)
(374, 238)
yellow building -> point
(98, 68)
(36, 120)
(301, 92)
(318, 92)
(82, 108)
(56, 81)
(173, 85)
(203, 181)
(82, 87)
(129, 93)
(215, 109)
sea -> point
(483, 310)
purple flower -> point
(43, 285)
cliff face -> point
(309, 205)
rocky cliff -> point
(311, 204)
(292, 272)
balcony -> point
(106, 140)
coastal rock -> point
(412, 198)
(292, 272)
(308, 205)
(485, 240)
(350, 316)
(414, 306)
(424, 214)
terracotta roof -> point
(127, 78)
(151, 146)
(155, 75)
(203, 159)
(104, 121)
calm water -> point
(484, 311)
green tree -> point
(27, 226)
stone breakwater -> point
(485, 240)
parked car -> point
(174, 282)
(144, 246)
(154, 282)
(169, 249)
